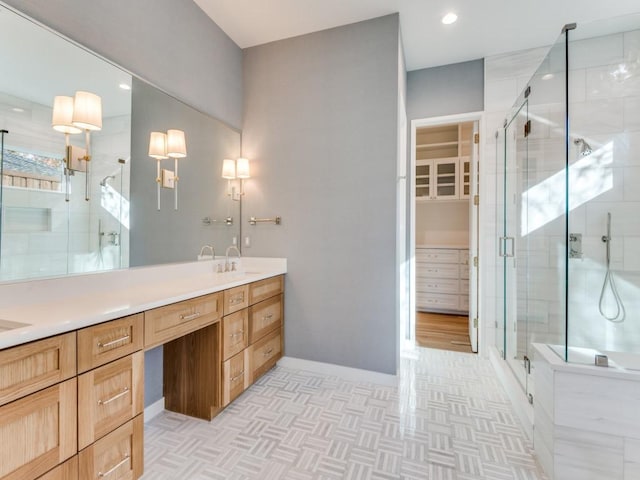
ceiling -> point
(484, 27)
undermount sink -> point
(6, 325)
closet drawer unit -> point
(436, 270)
(119, 455)
(464, 303)
(463, 257)
(264, 317)
(464, 287)
(66, 471)
(33, 366)
(263, 289)
(235, 333)
(464, 272)
(437, 301)
(38, 432)
(234, 380)
(437, 255)
(236, 299)
(109, 396)
(176, 320)
(264, 354)
(109, 341)
(442, 285)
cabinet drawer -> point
(464, 272)
(109, 341)
(236, 299)
(463, 257)
(235, 333)
(442, 285)
(464, 287)
(264, 317)
(66, 471)
(234, 380)
(437, 255)
(38, 431)
(464, 303)
(109, 396)
(263, 289)
(119, 455)
(440, 301)
(31, 367)
(436, 270)
(175, 320)
(264, 354)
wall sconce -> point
(232, 170)
(167, 145)
(73, 115)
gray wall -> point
(170, 43)
(445, 90)
(320, 126)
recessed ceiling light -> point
(125, 86)
(18, 109)
(449, 18)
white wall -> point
(442, 223)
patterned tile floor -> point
(449, 418)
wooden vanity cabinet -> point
(109, 396)
(118, 455)
(27, 368)
(245, 362)
(38, 431)
(164, 324)
(65, 471)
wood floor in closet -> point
(444, 332)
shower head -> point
(103, 183)
(584, 149)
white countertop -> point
(58, 305)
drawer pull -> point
(115, 397)
(113, 342)
(268, 316)
(240, 375)
(190, 317)
(236, 299)
(237, 334)
(115, 467)
(268, 352)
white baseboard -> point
(514, 390)
(153, 410)
(347, 373)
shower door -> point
(514, 288)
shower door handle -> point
(503, 245)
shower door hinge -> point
(530, 399)
(527, 364)
(475, 261)
(527, 128)
(476, 200)
(527, 92)
(476, 138)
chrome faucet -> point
(231, 267)
(208, 247)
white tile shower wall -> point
(605, 110)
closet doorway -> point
(444, 232)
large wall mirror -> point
(47, 225)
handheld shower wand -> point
(620, 312)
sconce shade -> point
(176, 144)
(158, 145)
(242, 168)
(228, 169)
(63, 115)
(87, 111)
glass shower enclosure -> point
(568, 201)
